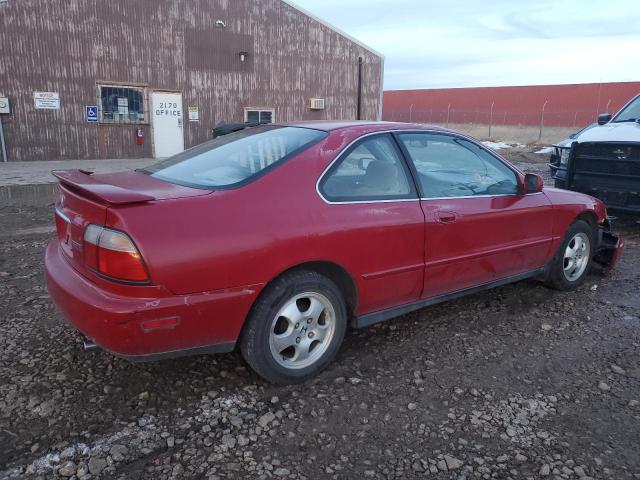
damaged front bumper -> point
(608, 249)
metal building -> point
(570, 105)
(142, 78)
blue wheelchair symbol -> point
(91, 113)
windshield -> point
(630, 113)
(235, 158)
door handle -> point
(445, 217)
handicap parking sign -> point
(91, 113)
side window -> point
(258, 116)
(371, 170)
(453, 167)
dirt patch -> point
(522, 134)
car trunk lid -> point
(85, 198)
(123, 187)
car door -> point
(479, 228)
(377, 222)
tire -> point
(295, 328)
(569, 270)
(560, 184)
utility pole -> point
(542, 120)
(410, 111)
(448, 110)
(491, 118)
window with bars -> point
(259, 115)
(122, 104)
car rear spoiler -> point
(82, 182)
(227, 128)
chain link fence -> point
(539, 125)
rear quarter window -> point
(235, 159)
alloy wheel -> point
(576, 256)
(302, 330)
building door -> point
(167, 122)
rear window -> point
(235, 159)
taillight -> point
(112, 253)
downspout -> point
(3, 145)
(359, 107)
(381, 89)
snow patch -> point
(496, 145)
(145, 430)
(545, 150)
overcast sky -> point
(460, 43)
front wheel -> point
(295, 328)
(570, 266)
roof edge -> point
(332, 27)
(536, 85)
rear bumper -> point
(143, 328)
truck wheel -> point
(570, 266)
(295, 328)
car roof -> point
(364, 125)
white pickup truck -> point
(603, 159)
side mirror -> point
(604, 118)
(533, 183)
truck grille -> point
(608, 171)
(608, 159)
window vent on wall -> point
(316, 104)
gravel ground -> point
(516, 382)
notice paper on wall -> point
(123, 106)
(46, 100)
(194, 114)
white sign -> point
(4, 105)
(194, 114)
(46, 100)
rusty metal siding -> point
(211, 49)
(69, 46)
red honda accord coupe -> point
(275, 238)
